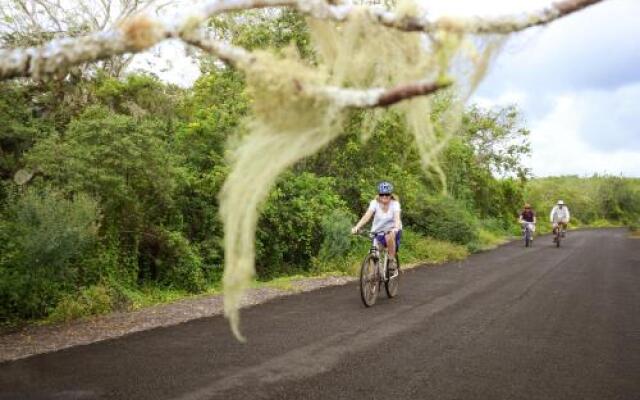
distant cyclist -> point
(559, 217)
(528, 217)
(385, 210)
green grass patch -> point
(93, 300)
(414, 249)
(487, 240)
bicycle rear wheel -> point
(369, 281)
(391, 285)
(527, 238)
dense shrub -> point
(89, 301)
(44, 238)
(179, 264)
(443, 218)
(336, 242)
(290, 229)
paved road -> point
(514, 323)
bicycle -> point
(527, 234)
(375, 271)
(558, 234)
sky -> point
(576, 81)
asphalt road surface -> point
(513, 323)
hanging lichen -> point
(288, 122)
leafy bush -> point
(172, 261)
(336, 229)
(290, 230)
(45, 238)
(90, 301)
(443, 218)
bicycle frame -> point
(559, 232)
(379, 253)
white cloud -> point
(577, 82)
(559, 145)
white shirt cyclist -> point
(384, 221)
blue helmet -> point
(385, 188)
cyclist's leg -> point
(391, 245)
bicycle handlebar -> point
(370, 235)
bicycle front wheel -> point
(391, 285)
(369, 281)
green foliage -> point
(93, 300)
(590, 200)
(136, 95)
(175, 263)
(20, 127)
(335, 227)
(260, 30)
(443, 218)
(416, 248)
(290, 230)
(43, 239)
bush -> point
(337, 241)
(90, 301)
(290, 230)
(169, 258)
(443, 218)
(44, 237)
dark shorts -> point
(383, 240)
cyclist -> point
(385, 210)
(559, 217)
(528, 217)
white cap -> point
(560, 202)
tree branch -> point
(356, 98)
(138, 33)
(514, 23)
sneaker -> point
(393, 269)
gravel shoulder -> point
(38, 339)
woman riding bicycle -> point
(527, 218)
(385, 210)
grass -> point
(488, 240)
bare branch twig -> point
(140, 32)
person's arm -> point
(365, 218)
(568, 215)
(534, 218)
(553, 210)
